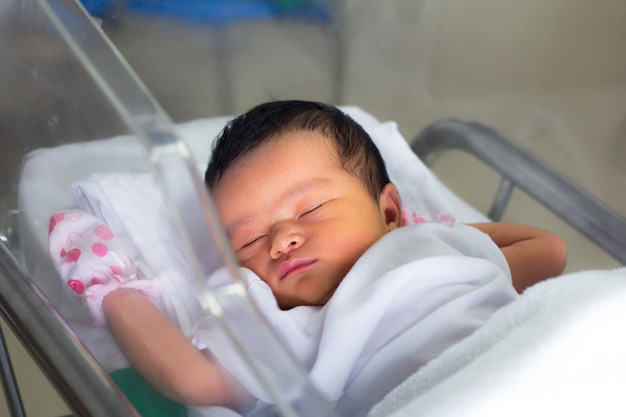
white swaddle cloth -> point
(417, 291)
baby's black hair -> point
(356, 151)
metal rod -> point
(76, 375)
(9, 381)
(501, 199)
(570, 202)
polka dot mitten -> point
(92, 261)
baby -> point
(316, 158)
(303, 194)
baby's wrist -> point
(102, 299)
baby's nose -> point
(284, 241)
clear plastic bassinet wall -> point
(74, 116)
(74, 119)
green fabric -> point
(148, 401)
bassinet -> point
(34, 314)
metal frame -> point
(520, 169)
(78, 378)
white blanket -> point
(559, 350)
(417, 291)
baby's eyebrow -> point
(300, 189)
(233, 228)
(293, 193)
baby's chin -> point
(288, 303)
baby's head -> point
(303, 192)
(356, 151)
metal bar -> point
(570, 202)
(9, 382)
(76, 375)
(501, 199)
(338, 50)
(223, 63)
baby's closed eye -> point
(312, 209)
(252, 241)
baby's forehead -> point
(292, 159)
(290, 145)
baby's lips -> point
(290, 265)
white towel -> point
(133, 207)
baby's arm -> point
(532, 254)
(94, 264)
(162, 354)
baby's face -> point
(296, 218)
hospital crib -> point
(75, 74)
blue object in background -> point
(232, 11)
(218, 14)
(99, 8)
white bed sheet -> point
(559, 350)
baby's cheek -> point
(255, 265)
(347, 256)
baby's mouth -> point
(291, 266)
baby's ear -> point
(391, 206)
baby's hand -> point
(92, 261)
